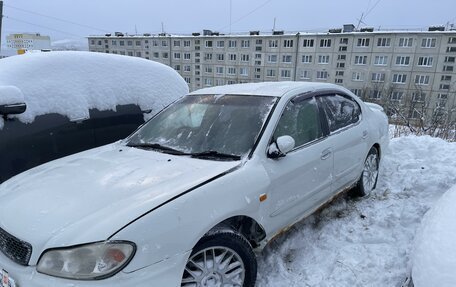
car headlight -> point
(87, 262)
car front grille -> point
(17, 250)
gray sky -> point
(101, 16)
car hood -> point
(89, 196)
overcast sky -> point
(96, 17)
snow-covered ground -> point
(365, 242)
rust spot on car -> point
(263, 197)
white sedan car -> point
(188, 197)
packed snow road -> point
(365, 242)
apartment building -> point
(396, 66)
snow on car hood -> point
(89, 196)
(434, 257)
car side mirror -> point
(12, 109)
(281, 147)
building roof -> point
(274, 89)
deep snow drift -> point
(71, 83)
(365, 242)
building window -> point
(232, 43)
(322, 75)
(129, 43)
(425, 61)
(381, 60)
(114, 42)
(402, 60)
(308, 43)
(288, 43)
(285, 73)
(341, 65)
(363, 42)
(304, 74)
(176, 43)
(165, 55)
(219, 70)
(138, 54)
(343, 41)
(187, 56)
(245, 43)
(244, 71)
(270, 73)
(220, 44)
(446, 78)
(358, 76)
(450, 59)
(360, 60)
(219, 82)
(428, 43)
(323, 59)
(208, 82)
(378, 77)
(187, 68)
(376, 94)
(286, 59)
(340, 73)
(208, 69)
(273, 43)
(448, 68)
(156, 55)
(452, 40)
(208, 56)
(232, 57)
(342, 48)
(306, 59)
(418, 97)
(177, 56)
(399, 78)
(272, 58)
(325, 43)
(383, 42)
(220, 57)
(341, 57)
(422, 80)
(259, 42)
(187, 79)
(245, 57)
(138, 43)
(339, 81)
(358, 92)
(177, 67)
(231, 71)
(130, 53)
(444, 87)
(187, 43)
(165, 43)
(397, 95)
(208, 44)
(405, 42)
(451, 49)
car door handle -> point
(365, 133)
(325, 154)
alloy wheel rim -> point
(214, 267)
(370, 173)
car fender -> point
(176, 227)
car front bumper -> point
(166, 273)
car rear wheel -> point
(221, 259)
(368, 179)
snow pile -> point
(434, 258)
(71, 83)
(365, 242)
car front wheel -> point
(221, 259)
(368, 180)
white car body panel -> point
(165, 207)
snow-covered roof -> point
(274, 89)
(71, 83)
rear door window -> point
(341, 111)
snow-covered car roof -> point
(435, 249)
(72, 83)
(274, 89)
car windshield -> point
(217, 126)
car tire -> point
(236, 263)
(368, 180)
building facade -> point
(416, 67)
(27, 41)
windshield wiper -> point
(215, 154)
(157, 146)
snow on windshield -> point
(71, 83)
